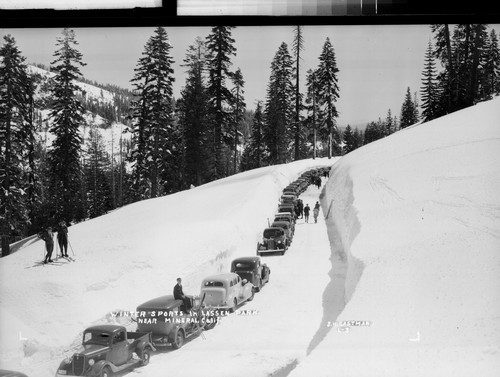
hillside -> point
(105, 109)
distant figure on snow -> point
(306, 212)
(62, 238)
(300, 207)
(179, 295)
(316, 212)
(47, 236)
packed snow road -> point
(271, 334)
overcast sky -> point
(376, 62)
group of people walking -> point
(62, 239)
(303, 212)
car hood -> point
(92, 349)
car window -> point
(212, 283)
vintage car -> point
(169, 321)
(108, 349)
(274, 240)
(253, 270)
(288, 199)
(285, 225)
(288, 208)
(226, 291)
(286, 216)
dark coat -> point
(306, 210)
(178, 293)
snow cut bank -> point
(419, 217)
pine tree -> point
(16, 131)
(348, 139)
(389, 123)
(239, 107)
(328, 89)
(67, 116)
(312, 106)
(490, 83)
(279, 110)
(220, 46)
(409, 111)
(151, 114)
(193, 115)
(297, 47)
(447, 79)
(254, 153)
(429, 89)
(99, 195)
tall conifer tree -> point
(152, 123)
(67, 116)
(16, 133)
(328, 90)
(278, 108)
(220, 45)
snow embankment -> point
(419, 217)
(129, 256)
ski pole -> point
(71, 247)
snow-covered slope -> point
(410, 246)
(129, 256)
(419, 214)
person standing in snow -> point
(316, 212)
(300, 206)
(62, 238)
(306, 212)
(179, 295)
(47, 236)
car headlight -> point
(67, 360)
(91, 362)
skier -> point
(62, 238)
(47, 235)
(316, 212)
(306, 212)
(179, 295)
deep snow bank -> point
(419, 214)
(127, 257)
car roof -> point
(166, 302)
(246, 259)
(105, 328)
(279, 223)
(227, 276)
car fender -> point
(143, 344)
(99, 366)
(248, 290)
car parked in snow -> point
(170, 323)
(253, 270)
(226, 291)
(108, 349)
(286, 216)
(274, 240)
(285, 225)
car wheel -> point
(178, 339)
(106, 372)
(145, 356)
(235, 304)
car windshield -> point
(240, 266)
(96, 337)
(212, 283)
(269, 233)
